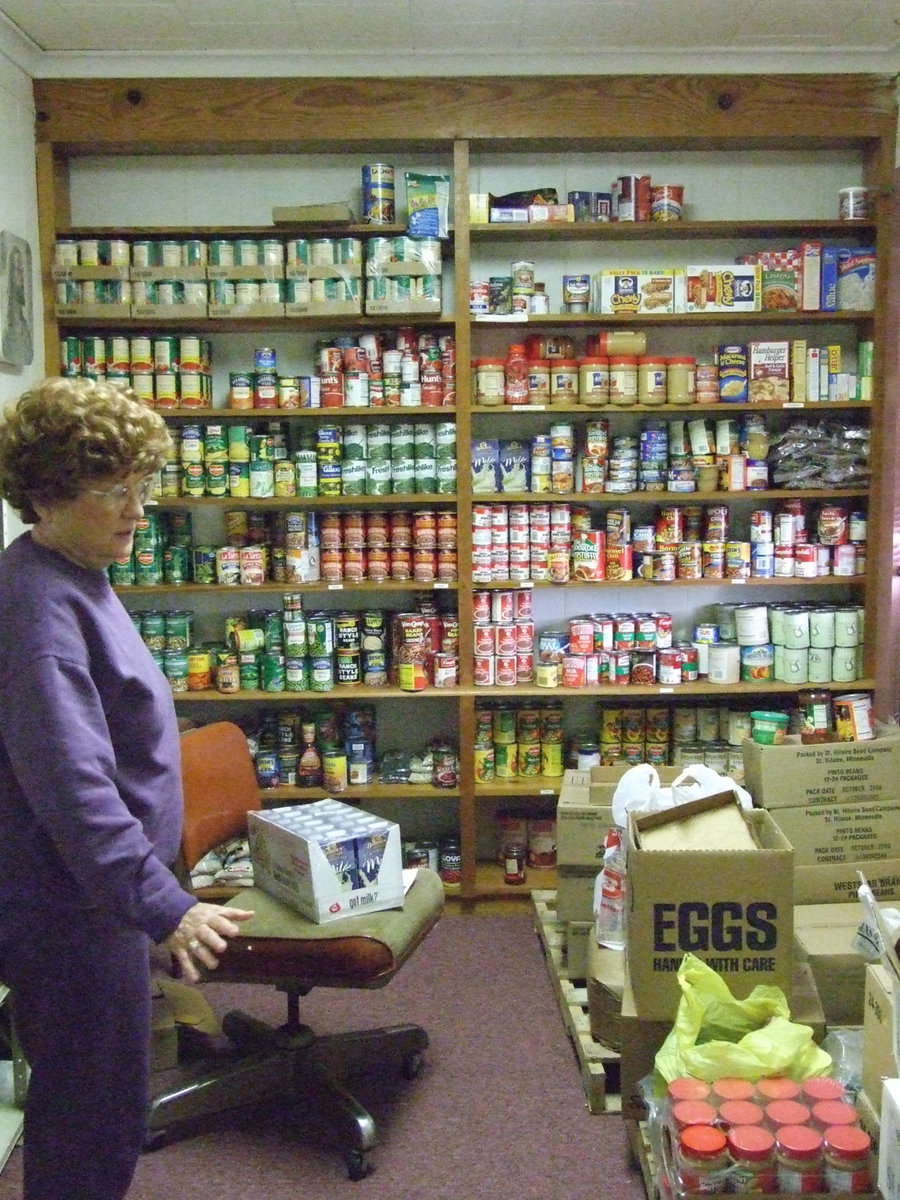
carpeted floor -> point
(499, 1110)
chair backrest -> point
(220, 787)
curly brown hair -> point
(65, 433)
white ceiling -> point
(58, 38)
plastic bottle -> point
(752, 1151)
(609, 894)
(309, 769)
(516, 375)
(848, 1159)
(702, 1159)
(798, 1153)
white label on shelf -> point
(335, 587)
(735, 581)
(666, 691)
(526, 583)
(534, 407)
(441, 585)
(793, 404)
(547, 792)
(501, 318)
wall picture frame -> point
(16, 300)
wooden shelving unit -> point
(462, 120)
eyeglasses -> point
(116, 496)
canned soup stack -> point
(522, 741)
(164, 370)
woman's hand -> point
(201, 935)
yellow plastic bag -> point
(715, 1035)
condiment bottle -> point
(623, 379)
(563, 381)
(798, 1154)
(309, 769)
(593, 380)
(702, 1157)
(752, 1151)
(516, 375)
(848, 1159)
(816, 721)
(490, 380)
(539, 381)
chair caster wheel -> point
(357, 1166)
(413, 1065)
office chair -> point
(280, 948)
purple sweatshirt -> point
(90, 770)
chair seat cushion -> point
(280, 946)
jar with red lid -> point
(848, 1159)
(593, 380)
(827, 1113)
(752, 1151)
(563, 381)
(686, 1087)
(693, 1112)
(681, 380)
(777, 1087)
(490, 380)
(741, 1112)
(786, 1112)
(816, 719)
(798, 1155)
(702, 1159)
(731, 1088)
(822, 1087)
(539, 381)
(623, 379)
(652, 373)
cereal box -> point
(769, 373)
(724, 288)
(632, 290)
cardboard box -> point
(794, 774)
(629, 290)
(575, 893)
(642, 1038)
(583, 812)
(878, 1062)
(841, 833)
(837, 882)
(723, 287)
(889, 1145)
(823, 937)
(769, 373)
(605, 989)
(327, 859)
(731, 908)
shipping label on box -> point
(840, 833)
(731, 908)
(793, 774)
(327, 859)
(723, 288)
(629, 290)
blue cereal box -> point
(485, 465)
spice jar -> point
(702, 1158)
(593, 380)
(798, 1155)
(848, 1159)
(651, 375)
(623, 379)
(816, 717)
(514, 857)
(681, 382)
(490, 380)
(752, 1151)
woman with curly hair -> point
(90, 788)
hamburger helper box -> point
(715, 879)
(327, 859)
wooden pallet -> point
(643, 1155)
(600, 1074)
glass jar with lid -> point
(490, 380)
(681, 379)
(652, 373)
(593, 380)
